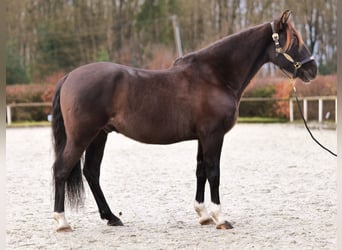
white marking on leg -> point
(202, 212)
(62, 222)
(215, 212)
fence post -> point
(9, 115)
(291, 109)
(335, 110)
(177, 35)
(305, 108)
(320, 110)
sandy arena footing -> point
(278, 189)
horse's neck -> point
(237, 58)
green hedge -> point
(28, 93)
(257, 108)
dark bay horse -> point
(195, 99)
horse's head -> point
(288, 51)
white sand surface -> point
(278, 189)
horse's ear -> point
(285, 17)
(281, 23)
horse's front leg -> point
(211, 147)
(200, 208)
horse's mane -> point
(190, 56)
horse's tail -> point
(74, 182)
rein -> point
(306, 125)
(279, 50)
(297, 65)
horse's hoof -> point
(115, 223)
(225, 225)
(208, 221)
(64, 229)
(63, 225)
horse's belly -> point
(153, 131)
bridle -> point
(279, 50)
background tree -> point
(49, 36)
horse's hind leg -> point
(66, 167)
(91, 171)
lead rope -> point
(306, 125)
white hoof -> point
(215, 212)
(201, 210)
(62, 224)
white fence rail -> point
(304, 100)
(15, 105)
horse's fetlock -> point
(105, 215)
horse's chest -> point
(218, 115)
(230, 120)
